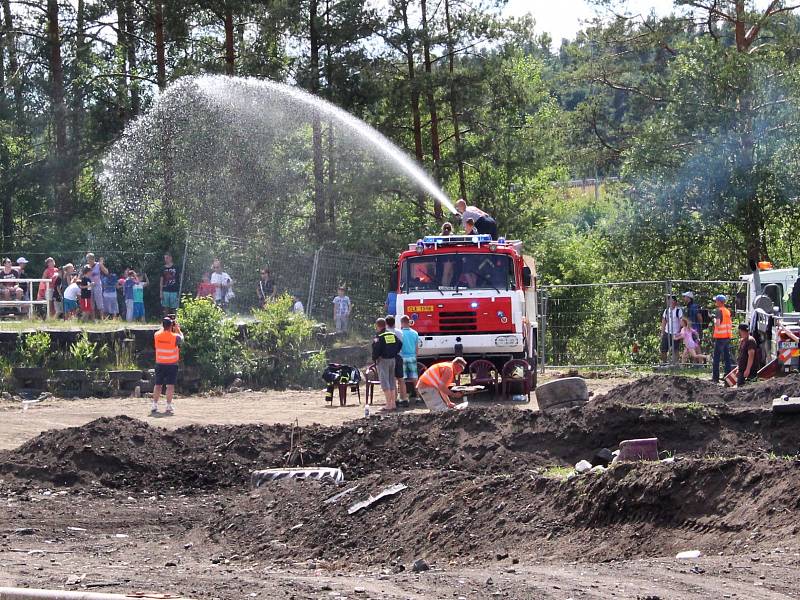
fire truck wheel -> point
(570, 391)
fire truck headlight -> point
(474, 305)
(506, 340)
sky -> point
(563, 18)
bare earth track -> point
(117, 504)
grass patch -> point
(695, 409)
(557, 472)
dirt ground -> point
(269, 407)
(115, 501)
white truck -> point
(771, 303)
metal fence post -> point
(312, 284)
(668, 313)
(543, 330)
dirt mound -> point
(126, 453)
(631, 510)
(668, 389)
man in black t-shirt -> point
(10, 290)
(169, 286)
(747, 360)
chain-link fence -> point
(313, 276)
(619, 324)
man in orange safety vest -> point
(723, 332)
(166, 340)
(434, 384)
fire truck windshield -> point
(457, 271)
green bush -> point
(283, 348)
(34, 349)
(210, 341)
(85, 354)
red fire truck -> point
(469, 296)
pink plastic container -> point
(643, 449)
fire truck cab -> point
(469, 296)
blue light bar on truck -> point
(444, 240)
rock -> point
(583, 466)
(490, 581)
(170, 564)
(514, 561)
(501, 555)
(598, 469)
(187, 546)
(420, 565)
(562, 393)
(688, 554)
(602, 457)
(24, 531)
(73, 580)
(360, 590)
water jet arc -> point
(217, 87)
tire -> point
(562, 393)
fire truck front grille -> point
(458, 322)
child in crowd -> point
(341, 310)
(691, 347)
(205, 289)
(71, 293)
(110, 301)
(85, 283)
(138, 296)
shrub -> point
(210, 341)
(84, 354)
(281, 340)
(34, 349)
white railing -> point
(31, 302)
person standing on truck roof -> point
(434, 384)
(747, 360)
(484, 223)
(723, 331)
(385, 349)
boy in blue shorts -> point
(409, 354)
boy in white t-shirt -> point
(71, 295)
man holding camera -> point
(167, 340)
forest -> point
(687, 122)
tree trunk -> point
(161, 61)
(130, 46)
(230, 53)
(122, 66)
(331, 193)
(56, 68)
(415, 116)
(14, 78)
(8, 192)
(316, 124)
(431, 100)
(462, 180)
(77, 82)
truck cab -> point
(469, 296)
(772, 302)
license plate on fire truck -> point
(419, 308)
